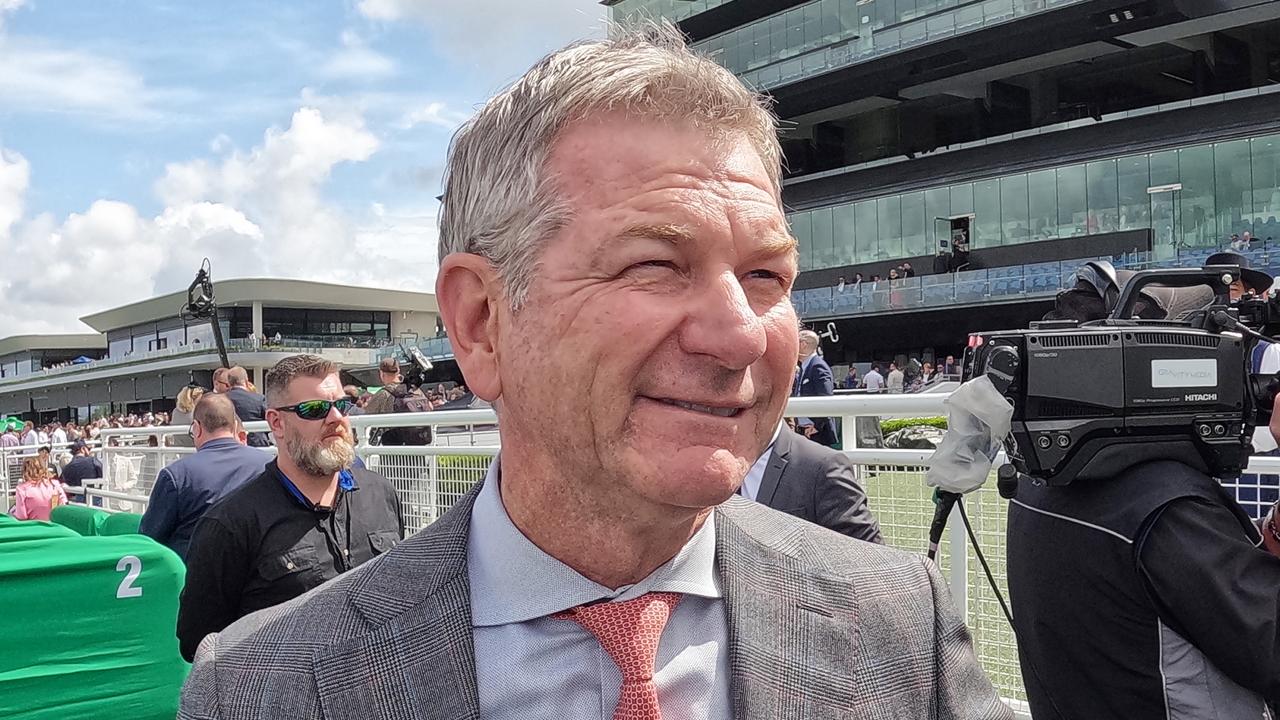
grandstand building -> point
(143, 353)
(1034, 134)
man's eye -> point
(764, 274)
(664, 264)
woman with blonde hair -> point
(38, 493)
(183, 414)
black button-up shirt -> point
(266, 543)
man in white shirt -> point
(874, 381)
(59, 436)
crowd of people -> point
(901, 272)
(912, 377)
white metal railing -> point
(430, 479)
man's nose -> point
(723, 325)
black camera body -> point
(416, 376)
(1091, 399)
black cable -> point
(973, 540)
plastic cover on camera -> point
(978, 421)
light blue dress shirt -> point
(755, 476)
(529, 665)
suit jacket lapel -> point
(418, 660)
(778, 460)
(792, 631)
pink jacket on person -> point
(34, 501)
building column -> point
(257, 378)
(257, 318)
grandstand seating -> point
(98, 636)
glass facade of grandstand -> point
(673, 10)
(325, 328)
(1193, 197)
(828, 34)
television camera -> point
(1093, 398)
(416, 377)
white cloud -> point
(38, 77)
(15, 174)
(436, 113)
(497, 38)
(8, 6)
(259, 212)
(357, 61)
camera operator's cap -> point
(1255, 280)
(76, 445)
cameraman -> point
(397, 396)
(1143, 595)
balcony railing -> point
(239, 345)
(888, 40)
(437, 348)
(1002, 284)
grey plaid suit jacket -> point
(820, 626)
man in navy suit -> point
(814, 378)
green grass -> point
(904, 505)
(896, 424)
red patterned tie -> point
(629, 632)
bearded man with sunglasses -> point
(307, 518)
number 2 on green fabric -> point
(131, 566)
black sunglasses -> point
(319, 409)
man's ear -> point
(468, 291)
(275, 421)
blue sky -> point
(285, 138)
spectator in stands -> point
(83, 466)
(183, 410)
(9, 438)
(928, 373)
(840, 284)
(874, 381)
(38, 493)
(305, 519)
(58, 436)
(614, 255)
(220, 383)
(814, 379)
(250, 406)
(42, 435)
(812, 482)
(895, 380)
(46, 456)
(951, 368)
(851, 378)
(907, 270)
(186, 489)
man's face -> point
(318, 447)
(220, 383)
(805, 350)
(670, 284)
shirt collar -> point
(346, 483)
(513, 580)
